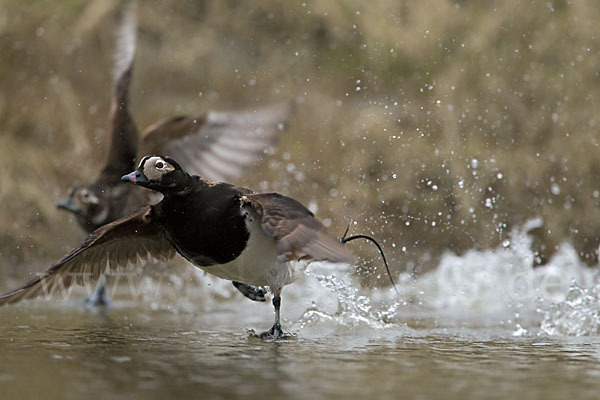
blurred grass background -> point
(435, 125)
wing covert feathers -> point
(297, 233)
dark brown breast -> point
(206, 226)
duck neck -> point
(182, 186)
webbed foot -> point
(255, 293)
(275, 333)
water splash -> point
(326, 298)
(489, 281)
(354, 309)
(497, 288)
(503, 284)
(577, 315)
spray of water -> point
(498, 288)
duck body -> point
(209, 225)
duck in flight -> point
(228, 231)
(216, 145)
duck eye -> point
(159, 165)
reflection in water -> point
(450, 335)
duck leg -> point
(276, 332)
(99, 298)
(255, 293)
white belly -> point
(257, 264)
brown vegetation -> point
(436, 125)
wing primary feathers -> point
(125, 41)
(124, 136)
(115, 245)
(218, 145)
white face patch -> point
(85, 196)
(101, 217)
(155, 167)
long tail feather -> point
(345, 239)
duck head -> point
(86, 203)
(160, 173)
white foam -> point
(497, 288)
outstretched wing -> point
(297, 233)
(112, 246)
(220, 145)
(124, 135)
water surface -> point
(64, 353)
(462, 331)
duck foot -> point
(99, 298)
(255, 293)
(275, 333)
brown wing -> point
(220, 145)
(112, 246)
(124, 135)
(297, 233)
